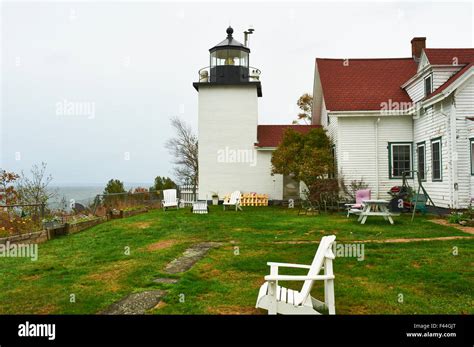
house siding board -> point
(357, 153)
(430, 125)
(392, 129)
(470, 131)
(464, 101)
(416, 90)
(356, 150)
(442, 74)
(331, 128)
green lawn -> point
(93, 265)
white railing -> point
(205, 74)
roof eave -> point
(416, 76)
(426, 69)
(264, 148)
(451, 88)
(371, 112)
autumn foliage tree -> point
(11, 220)
(308, 158)
(8, 193)
(305, 104)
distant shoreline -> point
(83, 194)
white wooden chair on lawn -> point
(276, 299)
(234, 200)
(170, 199)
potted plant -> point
(215, 198)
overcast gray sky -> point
(134, 64)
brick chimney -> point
(417, 45)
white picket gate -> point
(188, 194)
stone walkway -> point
(136, 303)
(165, 280)
(139, 303)
(190, 257)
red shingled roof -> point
(447, 56)
(364, 84)
(271, 135)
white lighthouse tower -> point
(227, 127)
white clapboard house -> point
(386, 116)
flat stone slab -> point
(136, 303)
(190, 257)
(166, 280)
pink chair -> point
(361, 195)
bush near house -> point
(308, 158)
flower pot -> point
(215, 200)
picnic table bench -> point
(375, 207)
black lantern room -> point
(229, 61)
(229, 65)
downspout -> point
(377, 158)
(454, 155)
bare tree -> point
(184, 148)
(34, 189)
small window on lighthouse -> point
(244, 59)
(219, 58)
(232, 57)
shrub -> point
(10, 224)
(457, 217)
(308, 158)
(353, 187)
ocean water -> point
(82, 194)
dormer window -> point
(428, 85)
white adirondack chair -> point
(276, 299)
(170, 199)
(233, 201)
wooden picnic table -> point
(375, 207)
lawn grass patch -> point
(93, 265)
